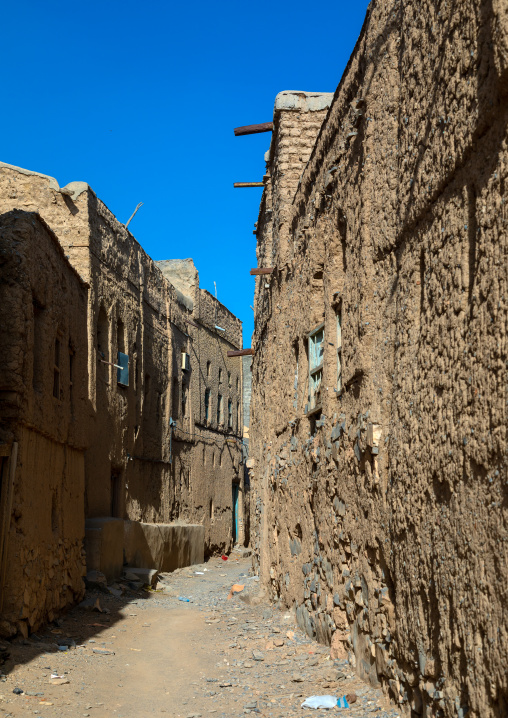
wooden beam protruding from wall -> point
(253, 129)
(248, 184)
(241, 353)
(261, 270)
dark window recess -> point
(39, 334)
(230, 414)
(116, 489)
(184, 400)
(72, 354)
(122, 370)
(56, 371)
(220, 410)
(207, 404)
(175, 398)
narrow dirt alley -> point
(153, 654)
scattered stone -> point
(297, 677)
(103, 652)
(97, 580)
(258, 656)
(278, 642)
(18, 691)
(59, 681)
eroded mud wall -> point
(43, 420)
(381, 516)
(137, 466)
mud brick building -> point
(42, 445)
(379, 390)
(148, 410)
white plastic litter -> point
(320, 702)
(199, 573)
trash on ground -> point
(317, 702)
(199, 573)
(184, 599)
(224, 558)
(103, 652)
(236, 588)
(59, 681)
(18, 691)
(55, 675)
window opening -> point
(316, 350)
(339, 347)
(102, 334)
(207, 404)
(175, 398)
(220, 410)
(230, 414)
(38, 372)
(238, 416)
(184, 400)
(116, 487)
(120, 336)
(237, 384)
(72, 354)
(208, 367)
(229, 379)
(220, 375)
(56, 371)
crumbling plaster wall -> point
(43, 419)
(396, 553)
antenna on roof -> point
(132, 215)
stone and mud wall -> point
(43, 399)
(379, 497)
(145, 449)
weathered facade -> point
(161, 416)
(379, 399)
(42, 442)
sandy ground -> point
(155, 655)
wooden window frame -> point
(315, 377)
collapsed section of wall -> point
(378, 424)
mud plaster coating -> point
(43, 510)
(395, 553)
(133, 464)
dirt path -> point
(154, 655)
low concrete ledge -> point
(165, 547)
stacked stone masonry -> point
(157, 442)
(379, 481)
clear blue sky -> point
(139, 99)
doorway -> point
(235, 513)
